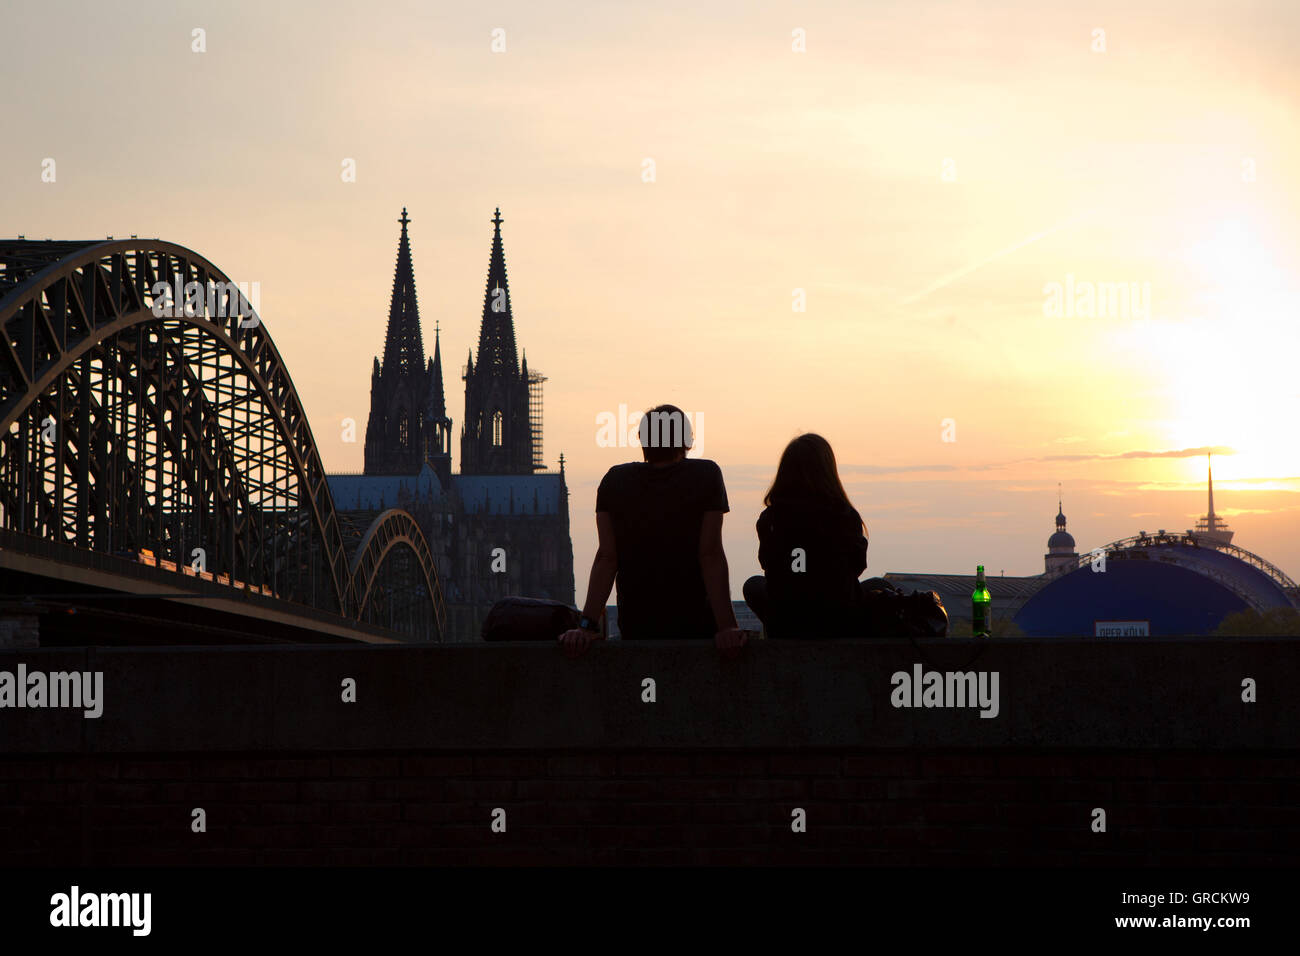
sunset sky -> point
(1167, 161)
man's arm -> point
(603, 568)
(717, 582)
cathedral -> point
(501, 526)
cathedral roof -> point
(403, 346)
(511, 494)
(378, 492)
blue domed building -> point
(1158, 585)
(1161, 584)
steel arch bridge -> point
(145, 411)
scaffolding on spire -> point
(535, 380)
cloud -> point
(980, 264)
(992, 466)
(1178, 453)
(895, 469)
(1233, 512)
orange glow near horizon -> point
(1167, 160)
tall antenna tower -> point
(1212, 529)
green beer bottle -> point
(981, 607)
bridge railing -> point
(20, 543)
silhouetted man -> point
(660, 527)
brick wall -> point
(1155, 733)
(703, 807)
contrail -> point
(849, 468)
(961, 273)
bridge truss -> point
(145, 411)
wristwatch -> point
(587, 624)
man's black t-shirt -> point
(657, 514)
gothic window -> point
(403, 430)
(497, 420)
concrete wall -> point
(1153, 732)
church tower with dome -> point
(1060, 546)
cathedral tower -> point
(502, 431)
(406, 425)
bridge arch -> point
(133, 420)
(393, 536)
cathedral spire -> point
(437, 405)
(396, 432)
(403, 346)
(503, 402)
(496, 340)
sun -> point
(1223, 358)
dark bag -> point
(891, 613)
(528, 619)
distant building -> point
(501, 526)
(1060, 546)
(1158, 585)
(1161, 584)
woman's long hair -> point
(807, 471)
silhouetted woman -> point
(812, 545)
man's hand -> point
(575, 642)
(730, 640)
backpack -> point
(528, 619)
(891, 613)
